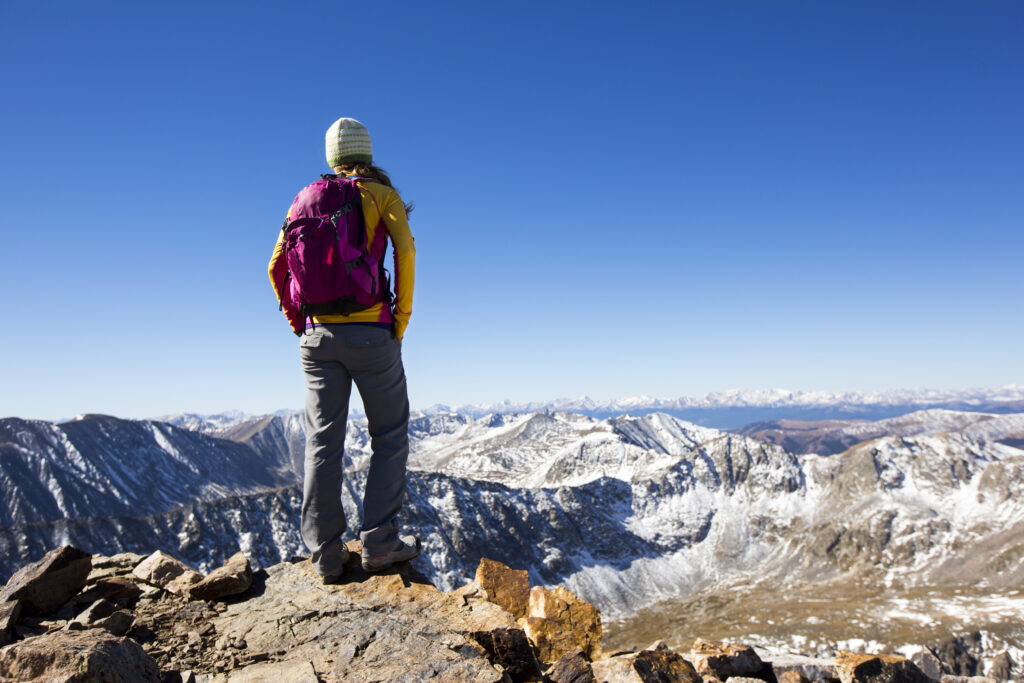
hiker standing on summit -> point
(328, 273)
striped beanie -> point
(348, 141)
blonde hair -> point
(365, 169)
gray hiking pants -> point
(334, 356)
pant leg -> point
(374, 361)
(328, 387)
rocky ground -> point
(72, 616)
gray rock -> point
(812, 668)
(169, 573)
(64, 656)
(278, 672)
(946, 678)
(231, 579)
(96, 611)
(10, 612)
(928, 663)
(118, 623)
(573, 667)
(115, 588)
(49, 582)
(390, 626)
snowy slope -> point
(627, 511)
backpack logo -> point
(330, 268)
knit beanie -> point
(348, 141)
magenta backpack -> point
(330, 268)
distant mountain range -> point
(629, 511)
(730, 410)
(733, 409)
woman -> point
(364, 347)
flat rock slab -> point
(233, 578)
(372, 627)
(49, 582)
(278, 672)
(64, 656)
(852, 667)
(506, 587)
(115, 588)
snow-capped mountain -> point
(826, 437)
(627, 511)
(734, 409)
(97, 465)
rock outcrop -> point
(506, 587)
(558, 622)
(137, 619)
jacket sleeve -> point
(404, 260)
(278, 271)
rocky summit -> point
(140, 619)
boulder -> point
(928, 663)
(49, 582)
(946, 678)
(646, 666)
(231, 579)
(852, 667)
(558, 622)
(163, 571)
(725, 660)
(505, 587)
(510, 648)
(10, 612)
(572, 667)
(64, 656)
(118, 623)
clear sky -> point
(612, 199)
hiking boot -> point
(335, 578)
(408, 548)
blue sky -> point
(665, 198)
